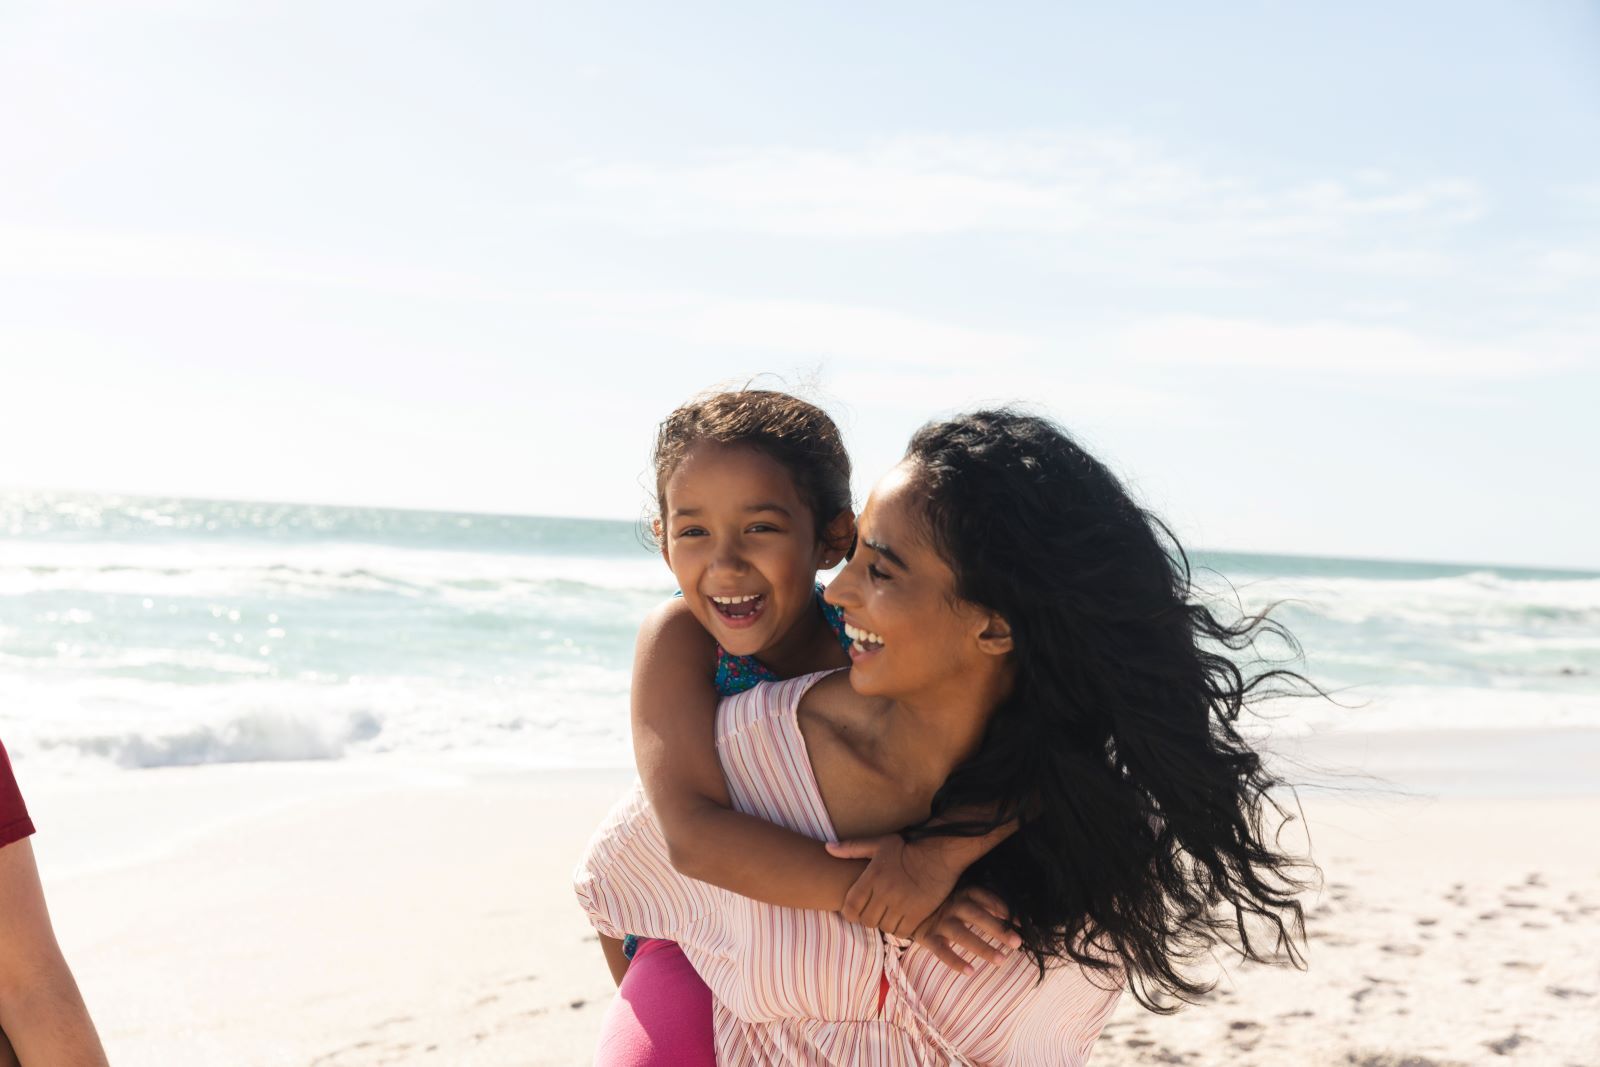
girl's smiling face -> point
(742, 545)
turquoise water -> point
(138, 632)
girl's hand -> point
(903, 885)
(971, 920)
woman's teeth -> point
(862, 637)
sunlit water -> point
(141, 632)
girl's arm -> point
(674, 744)
(904, 884)
(41, 1010)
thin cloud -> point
(809, 328)
(919, 186)
(1360, 350)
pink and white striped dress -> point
(807, 987)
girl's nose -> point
(728, 559)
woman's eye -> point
(876, 574)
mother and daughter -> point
(1026, 792)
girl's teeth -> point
(735, 599)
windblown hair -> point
(797, 434)
(1147, 835)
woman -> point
(1024, 645)
(42, 1016)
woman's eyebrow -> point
(886, 552)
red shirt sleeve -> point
(14, 821)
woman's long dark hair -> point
(1147, 832)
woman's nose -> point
(841, 591)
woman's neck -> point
(879, 761)
(924, 737)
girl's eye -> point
(693, 531)
(763, 527)
(876, 574)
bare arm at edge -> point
(41, 1011)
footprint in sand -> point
(1506, 1044)
(1567, 993)
(1373, 985)
(1403, 950)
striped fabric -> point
(803, 987)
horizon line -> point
(13, 489)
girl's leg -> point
(661, 1016)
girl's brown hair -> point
(797, 434)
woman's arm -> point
(41, 1010)
(674, 744)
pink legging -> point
(661, 1016)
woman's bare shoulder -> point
(838, 725)
(831, 701)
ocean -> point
(141, 632)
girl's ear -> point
(661, 541)
(838, 539)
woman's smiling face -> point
(742, 544)
(911, 633)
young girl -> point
(753, 491)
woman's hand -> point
(903, 885)
(972, 920)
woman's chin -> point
(864, 679)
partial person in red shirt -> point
(43, 1019)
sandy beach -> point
(325, 914)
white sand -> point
(335, 914)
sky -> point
(1313, 279)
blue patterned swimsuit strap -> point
(735, 674)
